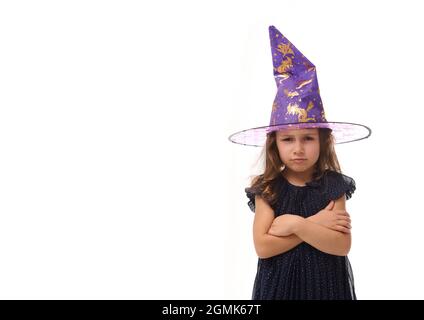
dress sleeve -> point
(250, 193)
(339, 184)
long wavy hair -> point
(264, 182)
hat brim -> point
(343, 132)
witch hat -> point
(297, 104)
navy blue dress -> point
(305, 272)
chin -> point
(300, 169)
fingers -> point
(344, 223)
(343, 229)
(344, 218)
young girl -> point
(301, 229)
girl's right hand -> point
(338, 220)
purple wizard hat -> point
(297, 104)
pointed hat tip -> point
(273, 30)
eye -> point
(286, 139)
(309, 138)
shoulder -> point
(338, 184)
(255, 186)
(254, 191)
(269, 191)
(338, 177)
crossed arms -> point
(328, 230)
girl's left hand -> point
(283, 225)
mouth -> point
(298, 160)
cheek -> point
(314, 149)
(281, 151)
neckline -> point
(293, 185)
(311, 184)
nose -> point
(298, 147)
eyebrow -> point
(304, 134)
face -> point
(298, 144)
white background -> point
(117, 179)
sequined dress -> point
(305, 272)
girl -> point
(301, 228)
